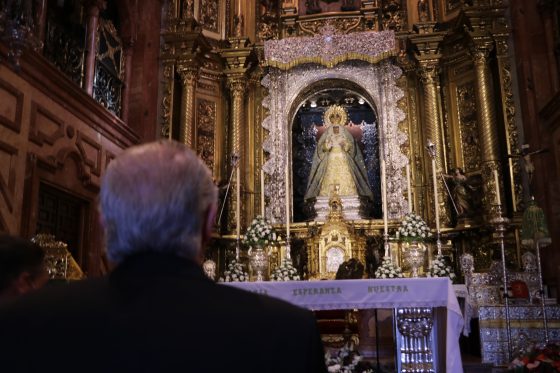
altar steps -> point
(479, 368)
(473, 364)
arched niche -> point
(287, 89)
(306, 127)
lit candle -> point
(262, 193)
(384, 197)
(497, 183)
(287, 201)
(409, 184)
(238, 204)
(436, 203)
(239, 7)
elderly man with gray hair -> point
(156, 311)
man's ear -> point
(23, 283)
(208, 223)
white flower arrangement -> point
(413, 228)
(388, 270)
(346, 361)
(285, 272)
(234, 273)
(260, 233)
(439, 268)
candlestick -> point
(262, 193)
(238, 202)
(384, 197)
(497, 183)
(436, 203)
(287, 202)
(500, 226)
(409, 185)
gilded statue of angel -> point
(460, 192)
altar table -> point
(374, 293)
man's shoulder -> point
(56, 295)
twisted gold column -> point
(486, 116)
(429, 76)
(237, 85)
(189, 76)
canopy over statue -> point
(338, 162)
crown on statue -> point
(335, 115)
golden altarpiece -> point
(246, 84)
(237, 74)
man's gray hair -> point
(154, 197)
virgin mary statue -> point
(338, 163)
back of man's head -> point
(21, 266)
(156, 197)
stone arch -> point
(329, 83)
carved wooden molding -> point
(15, 123)
(8, 183)
(42, 75)
(90, 152)
(108, 158)
(40, 134)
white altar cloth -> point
(364, 294)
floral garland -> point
(538, 359)
(413, 228)
(285, 272)
(388, 270)
(234, 273)
(439, 268)
(259, 233)
(347, 360)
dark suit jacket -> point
(156, 313)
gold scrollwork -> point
(166, 102)
(208, 15)
(205, 128)
(468, 126)
(341, 25)
(509, 115)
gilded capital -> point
(188, 74)
(405, 62)
(480, 52)
(502, 47)
(237, 84)
(429, 72)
